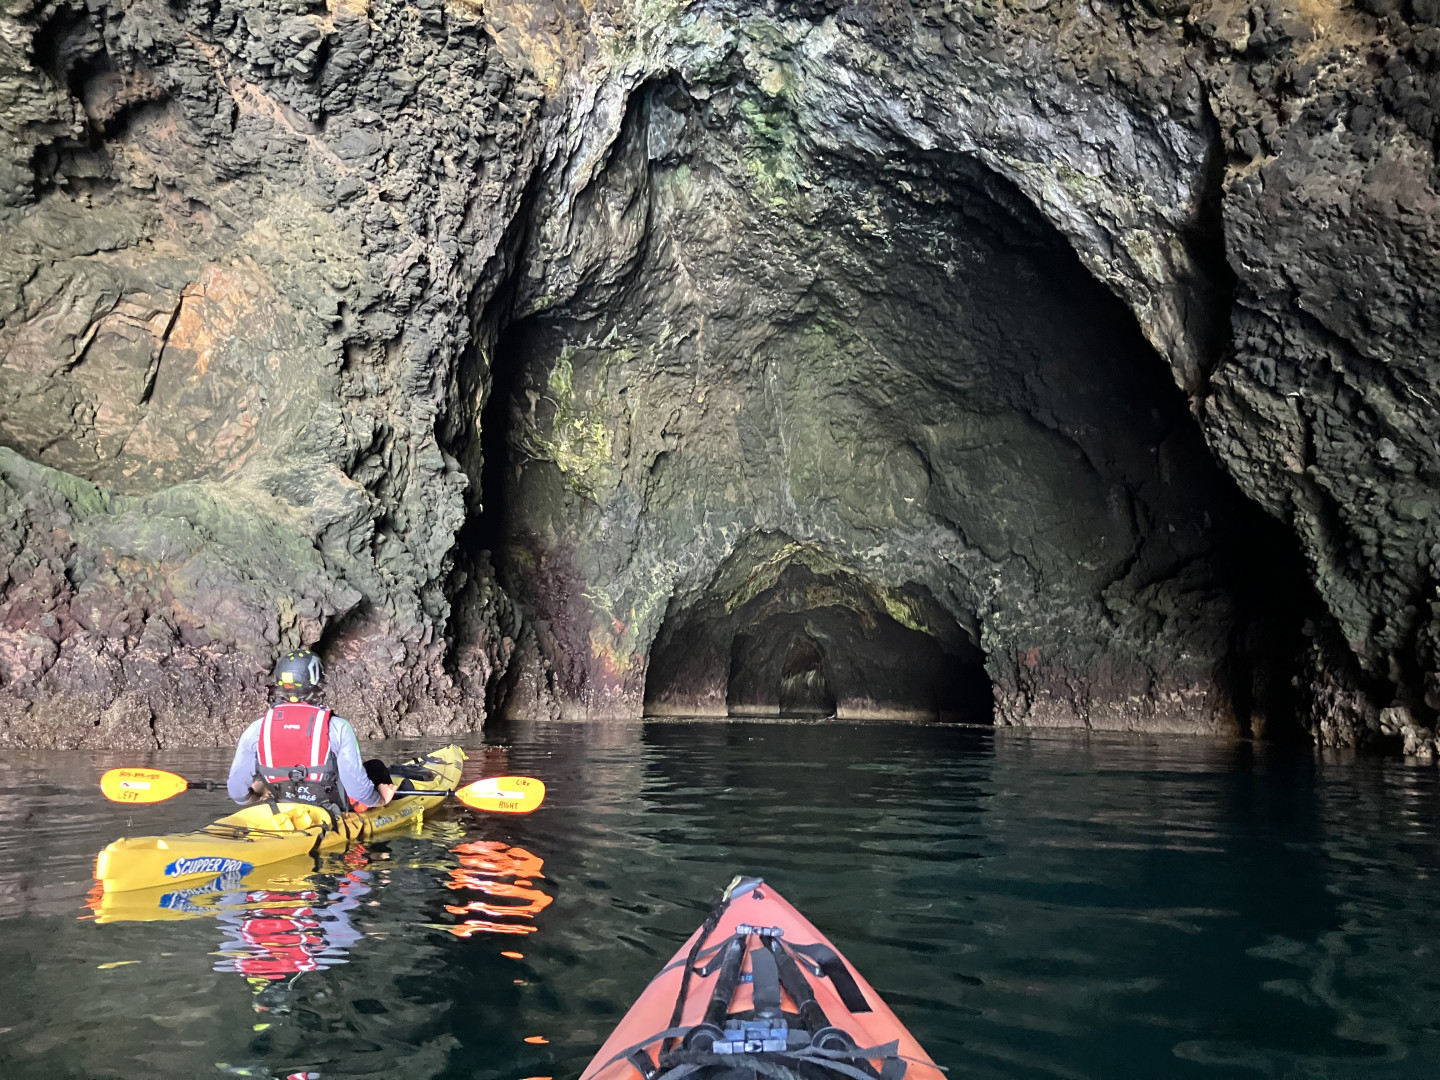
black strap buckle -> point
(643, 1065)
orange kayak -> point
(758, 991)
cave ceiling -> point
(488, 347)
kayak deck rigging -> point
(765, 1001)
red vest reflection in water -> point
(505, 905)
(281, 932)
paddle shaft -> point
(498, 794)
(215, 785)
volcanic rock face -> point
(237, 254)
(973, 361)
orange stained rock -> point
(199, 420)
(212, 310)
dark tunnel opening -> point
(497, 454)
(483, 445)
(814, 640)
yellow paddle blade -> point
(132, 785)
(503, 794)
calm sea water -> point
(1030, 905)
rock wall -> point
(238, 248)
(1107, 328)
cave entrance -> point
(919, 397)
(785, 631)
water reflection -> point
(332, 955)
(292, 917)
(483, 865)
(278, 933)
(1032, 906)
(207, 899)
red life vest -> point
(294, 757)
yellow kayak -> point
(255, 836)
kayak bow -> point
(758, 991)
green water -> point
(1030, 906)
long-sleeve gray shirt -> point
(353, 780)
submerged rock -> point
(1067, 365)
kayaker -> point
(300, 751)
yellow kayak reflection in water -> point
(284, 922)
(288, 918)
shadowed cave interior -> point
(844, 438)
(794, 637)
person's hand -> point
(387, 792)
